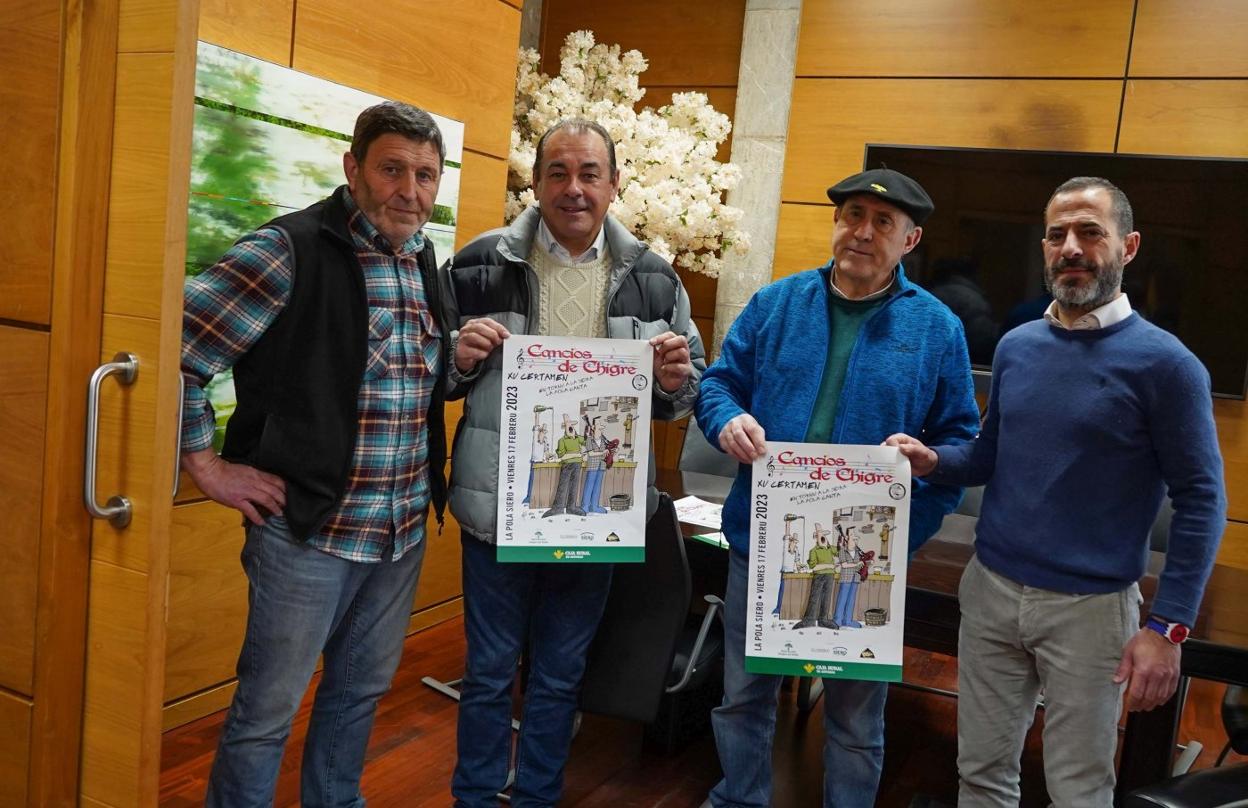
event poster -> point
(575, 444)
(829, 540)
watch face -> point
(1177, 633)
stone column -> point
(531, 24)
(760, 133)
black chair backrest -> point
(630, 659)
(972, 500)
(1235, 717)
(1159, 537)
(698, 454)
(705, 471)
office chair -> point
(1218, 787)
(649, 647)
(705, 471)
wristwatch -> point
(1174, 632)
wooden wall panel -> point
(207, 598)
(1208, 38)
(827, 129)
(1232, 420)
(440, 576)
(482, 192)
(1003, 38)
(803, 238)
(198, 705)
(136, 221)
(30, 64)
(697, 42)
(14, 749)
(1234, 549)
(260, 28)
(459, 59)
(155, 26)
(23, 404)
(1205, 118)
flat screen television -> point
(980, 251)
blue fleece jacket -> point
(908, 372)
(1084, 432)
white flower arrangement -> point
(671, 186)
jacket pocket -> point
(380, 334)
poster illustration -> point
(827, 584)
(574, 450)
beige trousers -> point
(1018, 641)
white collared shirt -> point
(878, 293)
(557, 250)
(1115, 311)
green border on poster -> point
(828, 670)
(573, 555)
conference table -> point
(1217, 648)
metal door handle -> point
(118, 508)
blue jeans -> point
(302, 602)
(557, 608)
(745, 724)
(591, 492)
(846, 598)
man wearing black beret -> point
(845, 353)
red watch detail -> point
(1174, 632)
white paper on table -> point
(695, 511)
(574, 450)
(841, 513)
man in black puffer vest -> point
(564, 269)
(329, 318)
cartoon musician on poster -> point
(822, 562)
(569, 450)
(540, 448)
(790, 559)
(595, 467)
(850, 560)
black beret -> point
(891, 186)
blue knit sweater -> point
(1085, 431)
(908, 372)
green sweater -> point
(822, 555)
(845, 317)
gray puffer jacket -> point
(491, 277)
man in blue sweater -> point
(1094, 415)
(840, 354)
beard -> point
(1106, 281)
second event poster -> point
(574, 449)
(829, 537)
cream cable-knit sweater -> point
(573, 297)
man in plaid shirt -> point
(329, 317)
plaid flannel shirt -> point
(228, 308)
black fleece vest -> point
(298, 387)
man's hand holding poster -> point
(828, 544)
(575, 443)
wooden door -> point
(97, 131)
(141, 315)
